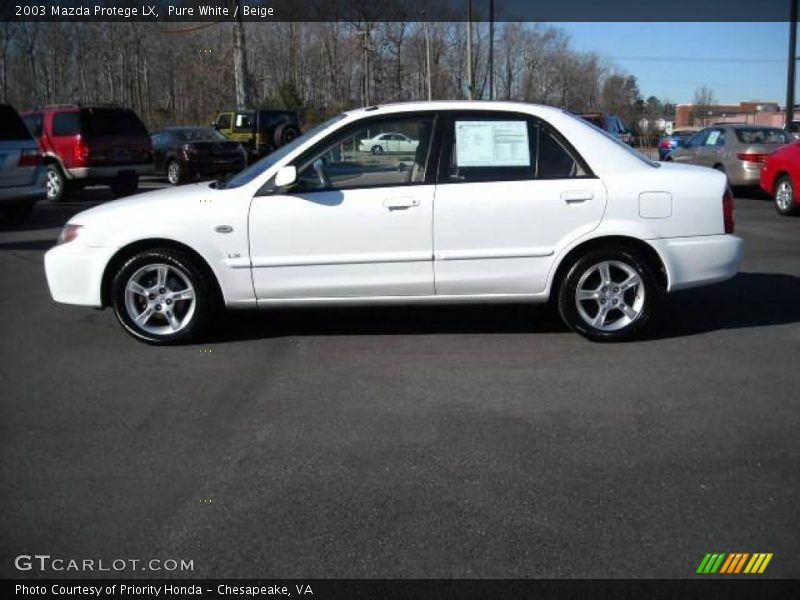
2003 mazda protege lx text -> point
(496, 202)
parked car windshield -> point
(197, 134)
(762, 135)
(257, 168)
(111, 121)
(12, 127)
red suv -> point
(91, 145)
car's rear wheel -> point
(55, 183)
(174, 172)
(125, 186)
(376, 149)
(609, 295)
(162, 296)
(785, 196)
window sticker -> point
(712, 138)
(492, 144)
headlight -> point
(68, 233)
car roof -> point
(465, 105)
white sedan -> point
(388, 142)
(508, 202)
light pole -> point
(792, 61)
(491, 49)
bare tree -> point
(703, 101)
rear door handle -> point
(398, 203)
(576, 196)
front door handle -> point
(399, 203)
(576, 196)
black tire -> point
(644, 298)
(19, 213)
(285, 133)
(175, 174)
(781, 208)
(193, 320)
(376, 149)
(56, 183)
(125, 186)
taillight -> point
(728, 211)
(757, 157)
(81, 151)
(29, 158)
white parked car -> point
(388, 142)
(502, 202)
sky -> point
(738, 61)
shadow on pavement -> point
(748, 300)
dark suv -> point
(259, 131)
(91, 145)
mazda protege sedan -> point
(498, 202)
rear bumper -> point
(696, 261)
(23, 194)
(109, 172)
(744, 173)
(75, 272)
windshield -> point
(257, 168)
(617, 141)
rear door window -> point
(506, 147)
(12, 127)
(66, 124)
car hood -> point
(155, 200)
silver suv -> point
(22, 173)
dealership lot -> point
(406, 442)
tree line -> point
(182, 73)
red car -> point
(780, 177)
(91, 145)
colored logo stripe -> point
(734, 563)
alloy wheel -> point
(784, 195)
(610, 295)
(160, 299)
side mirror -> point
(215, 125)
(285, 177)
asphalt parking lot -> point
(406, 442)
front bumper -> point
(696, 261)
(74, 272)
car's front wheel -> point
(608, 295)
(784, 197)
(162, 296)
(376, 149)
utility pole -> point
(241, 75)
(365, 33)
(470, 77)
(792, 61)
(491, 49)
(428, 59)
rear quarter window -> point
(66, 123)
(12, 127)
